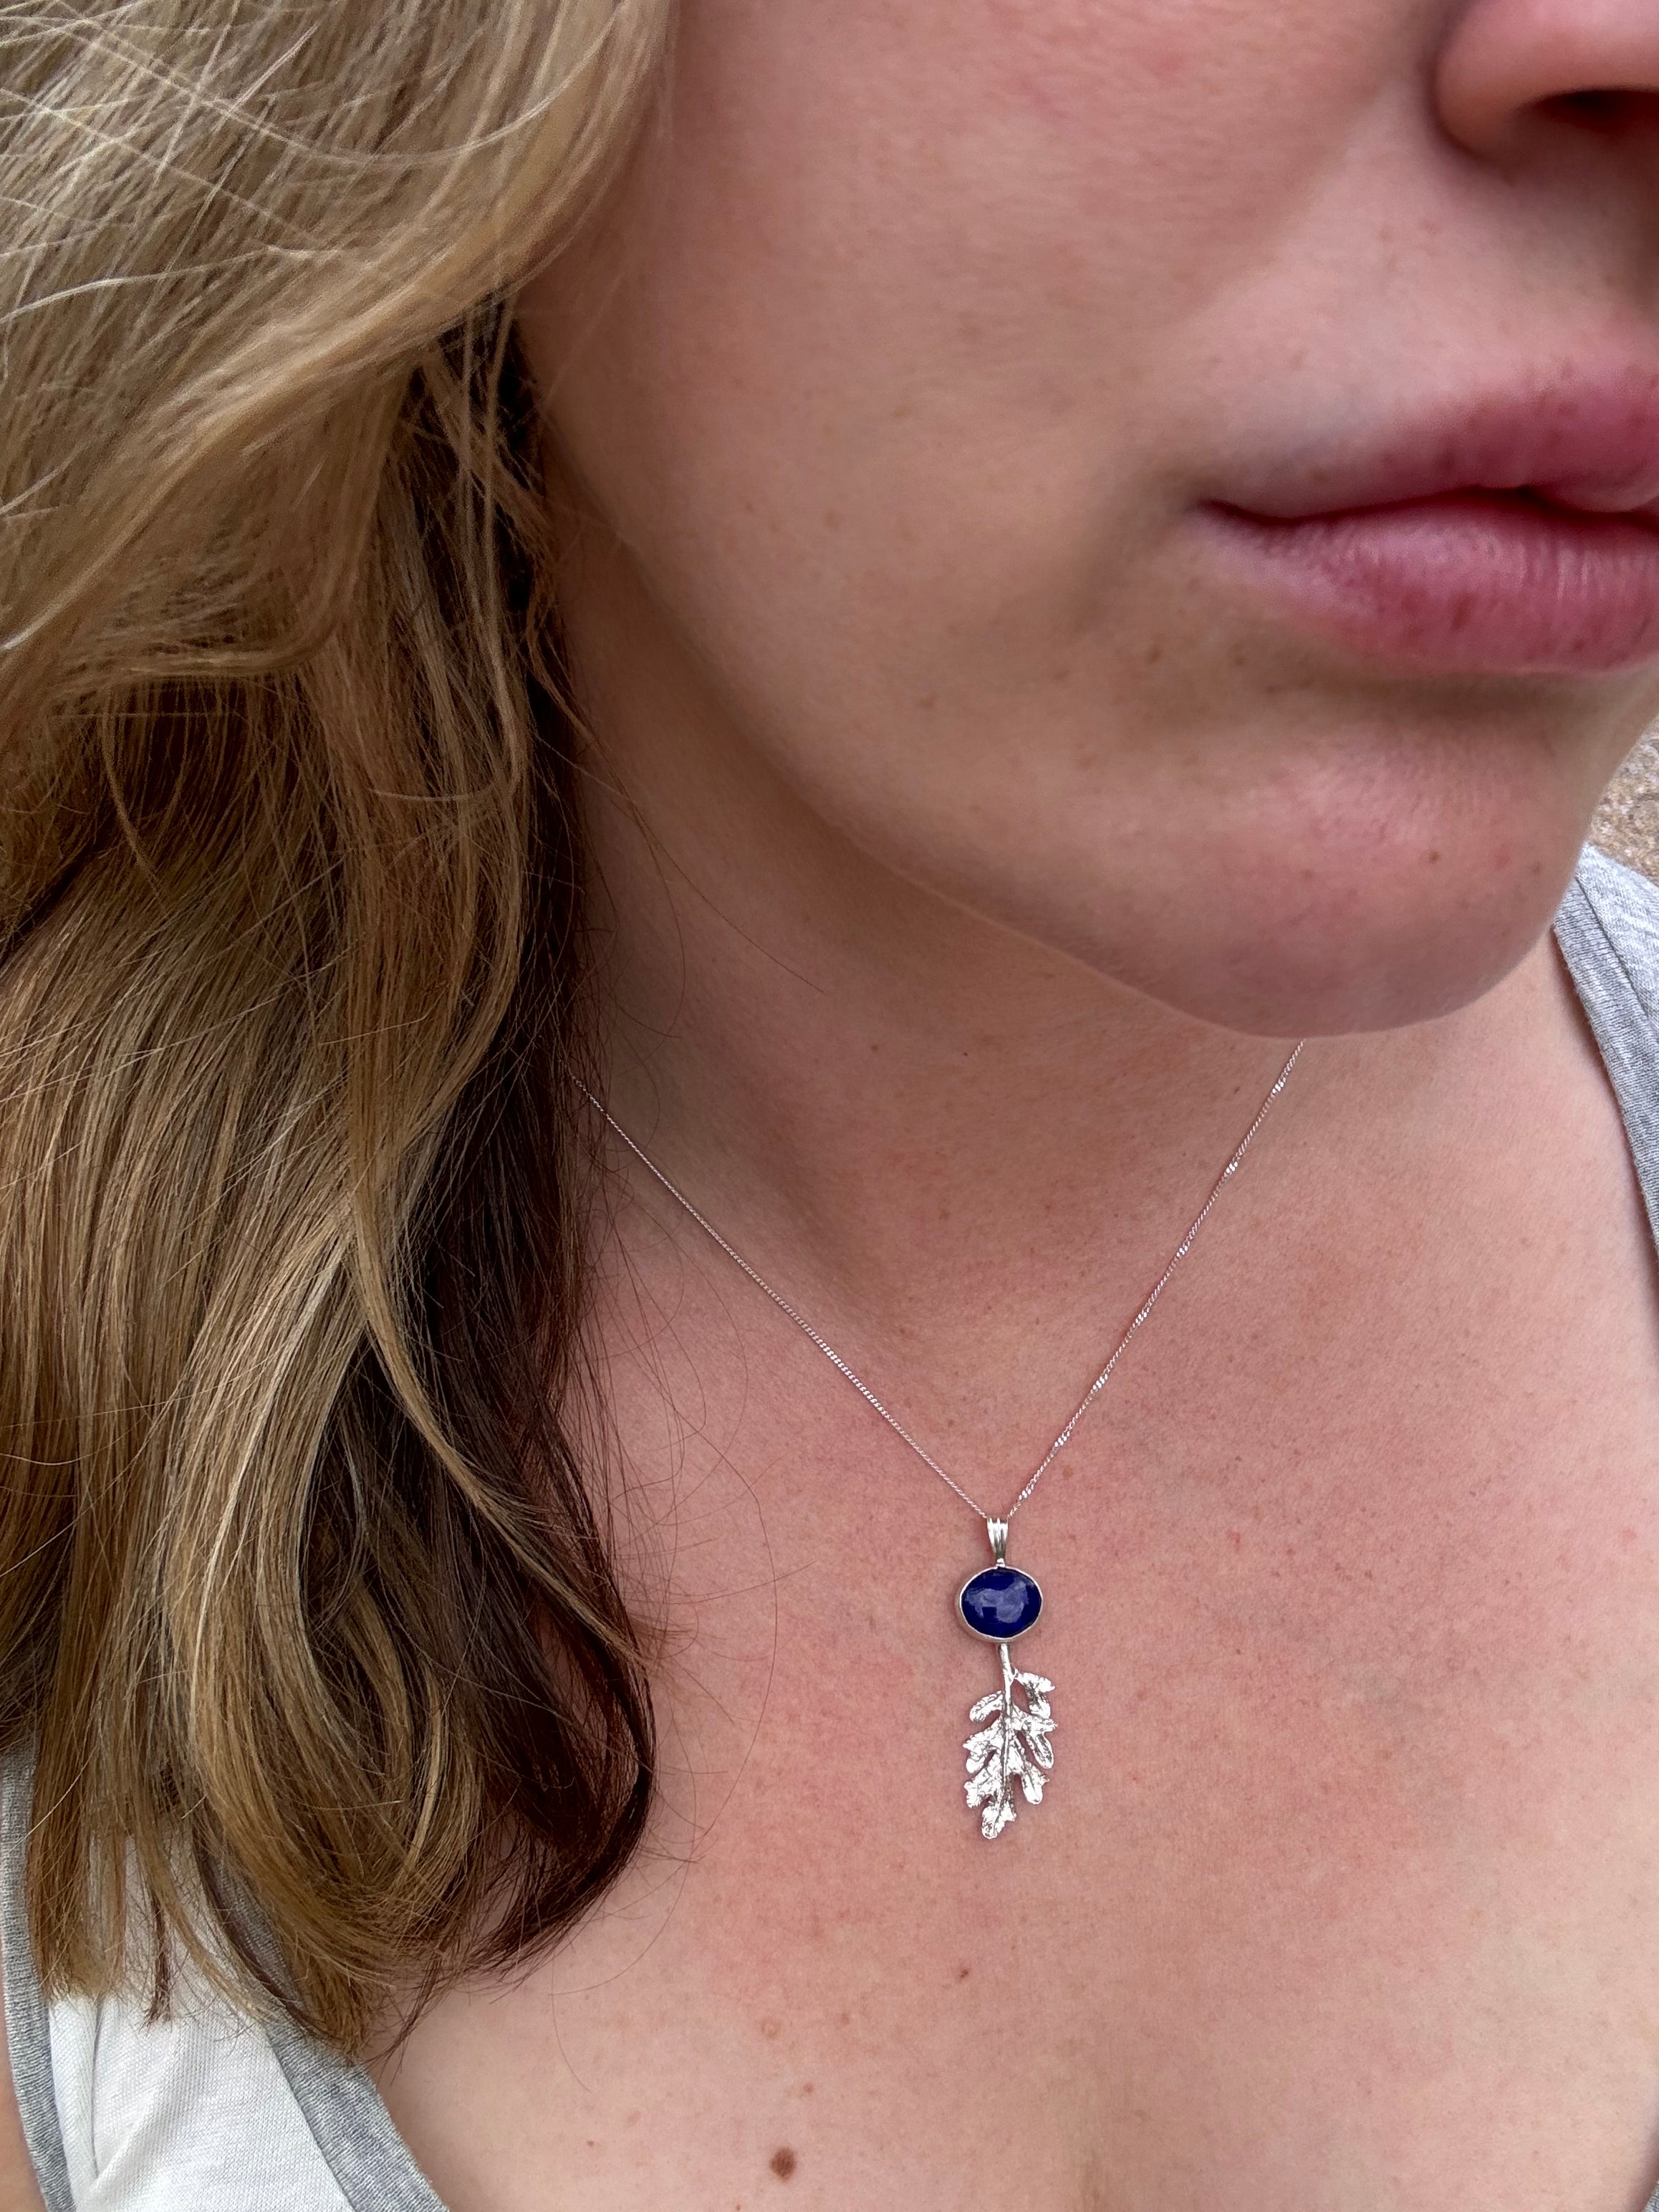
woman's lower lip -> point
(1472, 583)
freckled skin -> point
(888, 390)
(916, 343)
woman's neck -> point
(929, 1130)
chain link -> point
(863, 1388)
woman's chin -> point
(1331, 948)
(1306, 932)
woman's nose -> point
(1512, 68)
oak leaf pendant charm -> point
(1010, 1748)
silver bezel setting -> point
(1002, 1637)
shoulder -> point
(22, 2048)
(1608, 932)
(1609, 928)
(18, 2186)
(101, 2103)
(19, 2023)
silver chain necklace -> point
(1011, 1744)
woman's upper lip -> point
(1591, 445)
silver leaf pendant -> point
(1010, 1749)
(1013, 1748)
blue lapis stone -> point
(999, 1603)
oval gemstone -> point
(1001, 1603)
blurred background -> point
(1627, 822)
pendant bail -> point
(998, 1533)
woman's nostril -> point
(1589, 65)
(1587, 107)
(1609, 108)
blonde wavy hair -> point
(303, 1606)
